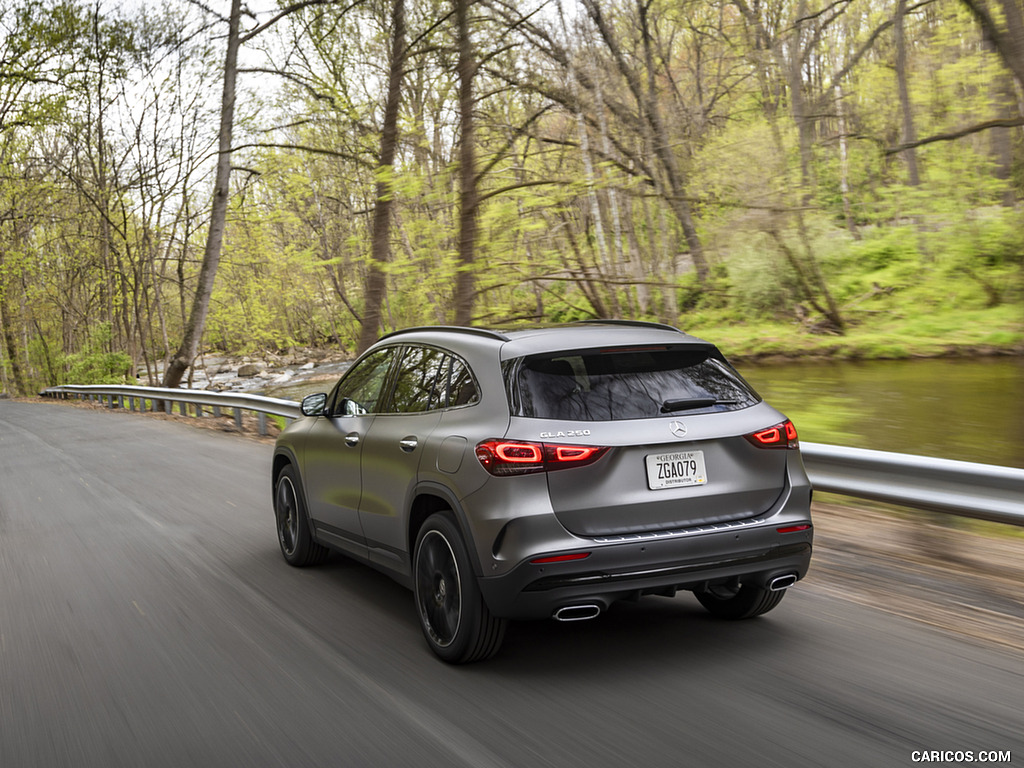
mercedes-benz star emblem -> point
(677, 427)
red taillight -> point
(518, 457)
(780, 436)
(574, 453)
(501, 457)
(518, 453)
(561, 558)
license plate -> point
(672, 470)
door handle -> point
(408, 444)
(352, 439)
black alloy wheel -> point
(293, 534)
(437, 580)
(455, 620)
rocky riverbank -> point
(250, 373)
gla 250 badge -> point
(567, 433)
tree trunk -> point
(468, 193)
(798, 108)
(655, 129)
(663, 150)
(908, 133)
(844, 164)
(613, 201)
(11, 344)
(1007, 35)
(376, 282)
(607, 265)
(1001, 139)
(186, 353)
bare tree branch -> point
(951, 136)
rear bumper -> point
(755, 553)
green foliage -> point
(106, 216)
(95, 365)
(988, 237)
(882, 248)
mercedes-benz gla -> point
(546, 472)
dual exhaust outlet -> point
(780, 583)
(586, 611)
(577, 612)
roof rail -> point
(636, 323)
(449, 328)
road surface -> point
(148, 619)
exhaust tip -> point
(780, 583)
(576, 612)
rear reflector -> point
(561, 558)
(793, 529)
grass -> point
(889, 330)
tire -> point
(743, 603)
(293, 531)
(456, 622)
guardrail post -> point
(131, 404)
(216, 411)
(110, 402)
(238, 418)
(263, 423)
(168, 405)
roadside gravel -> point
(928, 568)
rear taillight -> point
(780, 436)
(519, 457)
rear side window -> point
(616, 384)
(462, 390)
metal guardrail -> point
(164, 399)
(980, 491)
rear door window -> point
(627, 383)
(420, 383)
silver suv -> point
(546, 472)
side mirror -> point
(351, 408)
(313, 405)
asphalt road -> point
(147, 619)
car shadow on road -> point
(651, 632)
(636, 636)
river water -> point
(971, 410)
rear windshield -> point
(615, 384)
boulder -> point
(248, 370)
